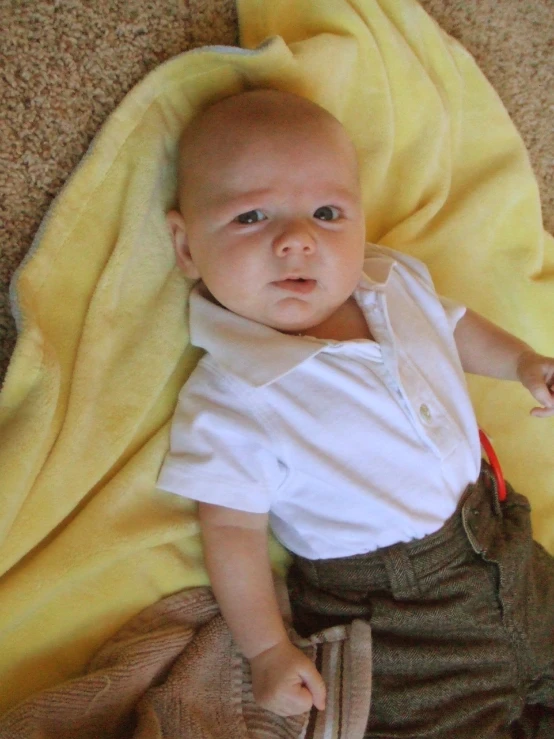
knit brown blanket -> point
(174, 672)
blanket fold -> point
(174, 671)
(86, 540)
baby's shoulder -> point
(377, 254)
(210, 387)
(209, 376)
(214, 403)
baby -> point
(331, 404)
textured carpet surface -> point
(65, 65)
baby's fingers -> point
(315, 684)
(542, 412)
(289, 702)
(545, 397)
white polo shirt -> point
(349, 445)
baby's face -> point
(274, 225)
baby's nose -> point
(294, 237)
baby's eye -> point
(252, 216)
(327, 213)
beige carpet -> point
(65, 65)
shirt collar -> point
(256, 353)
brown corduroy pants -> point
(462, 622)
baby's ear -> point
(178, 232)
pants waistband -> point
(471, 529)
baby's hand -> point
(285, 681)
(536, 373)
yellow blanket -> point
(86, 541)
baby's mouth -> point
(298, 285)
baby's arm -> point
(284, 680)
(486, 349)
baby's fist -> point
(536, 373)
(285, 681)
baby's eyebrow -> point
(336, 192)
(238, 202)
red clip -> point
(495, 464)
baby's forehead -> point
(269, 114)
(259, 118)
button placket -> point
(380, 326)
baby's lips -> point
(302, 286)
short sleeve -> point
(454, 311)
(220, 449)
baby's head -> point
(270, 215)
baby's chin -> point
(292, 328)
(298, 325)
(295, 324)
(296, 329)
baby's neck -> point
(346, 323)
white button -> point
(424, 412)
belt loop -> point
(400, 571)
